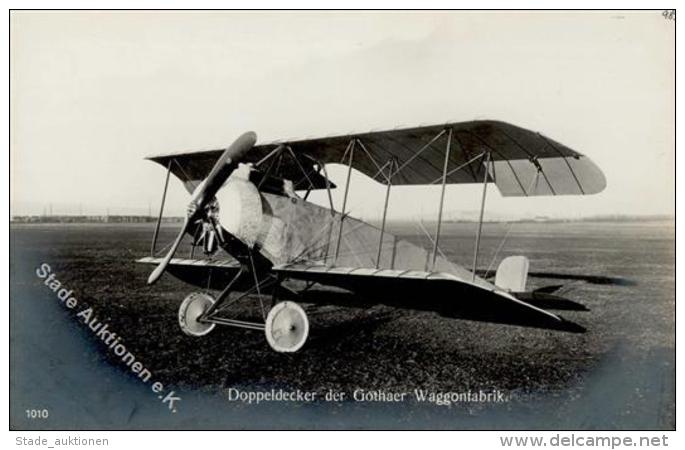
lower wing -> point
(439, 292)
(425, 291)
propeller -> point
(205, 192)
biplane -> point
(260, 239)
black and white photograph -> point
(342, 220)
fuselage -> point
(288, 229)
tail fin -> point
(512, 274)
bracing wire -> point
(533, 185)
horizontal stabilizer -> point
(548, 289)
(550, 301)
(592, 279)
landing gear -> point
(192, 308)
(287, 327)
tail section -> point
(512, 274)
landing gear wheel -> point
(192, 307)
(287, 327)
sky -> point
(93, 93)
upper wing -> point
(525, 163)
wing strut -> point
(161, 210)
(392, 165)
(442, 195)
(350, 150)
(480, 219)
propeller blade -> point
(159, 270)
(223, 168)
(206, 191)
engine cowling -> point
(240, 206)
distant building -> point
(92, 219)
